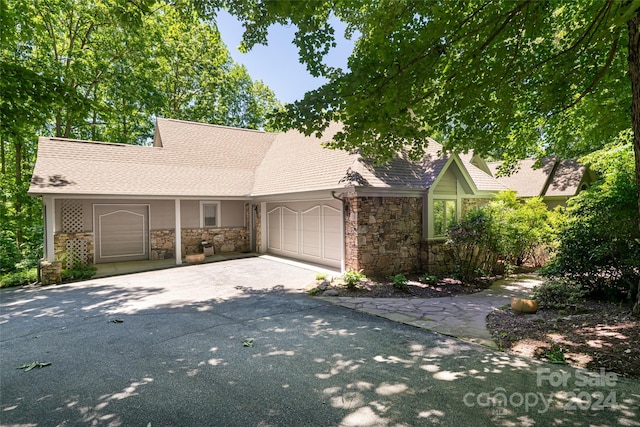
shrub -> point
(558, 293)
(600, 241)
(313, 292)
(400, 281)
(505, 232)
(472, 244)
(9, 254)
(352, 277)
(522, 228)
(19, 278)
(321, 276)
(79, 272)
(428, 279)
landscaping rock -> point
(330, 293)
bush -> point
(428, 279)
(523, 228)
(505, 232)
(79, 272)
(352, 277)
(321, 276)
(19, 278)
(600, 241)
(558, 293)
(472, 244)
(9, 253)
(400, 281)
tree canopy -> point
(103, 71)
(509, 79)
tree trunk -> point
(634, 75)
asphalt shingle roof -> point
(196, 159)
(553, 178)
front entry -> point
(121, 232)
(309, 231)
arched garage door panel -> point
(122, 232)
(311, 235)
(309, 231)
(332, 233)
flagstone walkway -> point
(462, 316)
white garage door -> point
(309, 231)
(121, 232)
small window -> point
(444, 215)
(210, 214)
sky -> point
(277, 64)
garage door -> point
(309, 231)
(122, 232)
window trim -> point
(215, 203)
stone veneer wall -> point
(163, 244)
(60, 245)
(383, 234)
(258, 225)
(234, 239)
(434, 258)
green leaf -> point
(29, 366)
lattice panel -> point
(72, 216)
(77, 252)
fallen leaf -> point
(29, 366)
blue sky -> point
(277, 64)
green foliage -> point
(522, 227)
(506, 232)
(352, 278)
(78, 272)
(104, 71)
(472, 244)
(600, 240)
(9, 254)
(428, 279)
(19, 278)
(558, 293)
(321, 276)
(511, 78)
(555, 354)
(400, 281)
(313, 292)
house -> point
(247, 190)
(555, 181)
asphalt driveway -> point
(237, 343)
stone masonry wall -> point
(435, 259)
(163, 244)
(222, 239)
(258, 226)
(383, 234)
(60, 246)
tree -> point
(599, 242)
(196, 78)
(103, 71)
(510, 79)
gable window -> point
(444, 215)
(209, 214)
